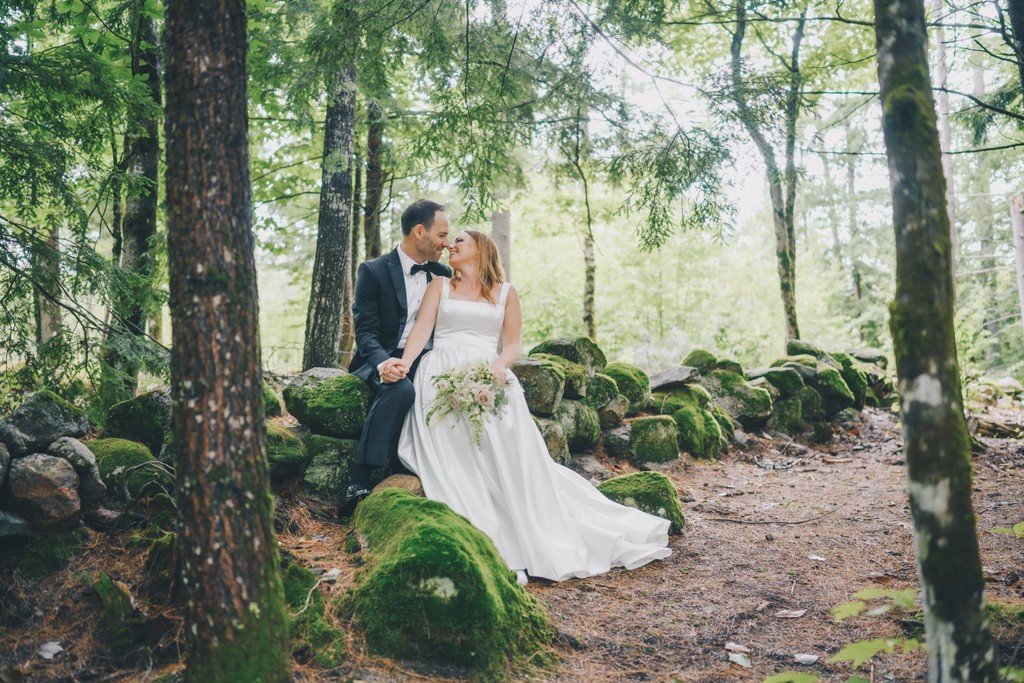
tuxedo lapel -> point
(398, 279)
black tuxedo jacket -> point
(380, 311)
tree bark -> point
(501, 233)
(781, 183)
(132, 306)
(376, 178)
(331, 267)
(937, 446)
(1016, 11)
(945, 131)
(853, 221)
(348, 327)
(46, 279)
(235, 619)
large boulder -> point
(580, 423)
(835, 393)
(633, 383)
(286, 452)
(750, 406)
(329, 401)
(554, 439)
(129, 469)
(91, 488)
(576, 375)
(39, 421)
(787, 415)
(44, 490)
(612, 413)
(645, 440)
(697, 428)
(580, 350)
(146, 418)
(651, 492)
(855, 375)
(435, 588)
(601, 389)
(701, 360)
(330, 465)
(786, 380)
(543, 384)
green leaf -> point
(1011, 674)
(857, 679)
(863, 650)
(847, 609)
(792, 677)
(1018, 529)
(1002, 530)
(902, 598)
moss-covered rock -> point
(870, 356)
(576, 375)
(700, 359)
(798, 347)
(810, 404)
(329, 401)
(543, 384)
(146, 418)
(835, 394)
(690, 394)
(725, 423)
(613, 412)
(728, 365)
(600, 390)
(330, 465)
(787, 415)
(651, 492)
(39, 421)
(312, 636)
(786, 379)
(747, 405)
(699, 433)
(580, 423)
(128, 465)
(286, 452)
(435, 588)
(118, 615)
(580, 350)
(271, 403)
(855, 378)
(44, 490)
(554, 439)
(806, 360)
(653, 439)
(633, 383)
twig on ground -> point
(775, 521)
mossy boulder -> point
(799, 347)
(805, 360)
(871, 357)
(329, 401)
(286, 452)
(580, 423)
(613, 412)
(728, 365)
(117, 613)
(128, 466)
(543, 384)
(725, 423)
(701, 360)
(580, 350)
(39, 421)
(855, 377)
(786, 380)
(600, 390)
(787, 415)
(687, 395)
(146, 418)
(330, 465)
(91, 488)
(645, 440)
(651, 492)
(576, 375)
(554, 439)
(835, 393)
(312, 636)
(810, 404)
(271, 403)
(747, 405)
(633, 383)
(435, 588)
(698, 430)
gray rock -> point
(542, 384)
(330, 465)
(593, 467)
(91, 488)
(613, 412)
(580, 423)
(39, 421)
(616, 441)
(554, 439)
(872, 356)
(13, 528)
(673, 378)
(44, 490)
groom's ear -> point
(418, 231)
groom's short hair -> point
(420, 212)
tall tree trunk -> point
(331, 268)
(376, 178)
(46, 280)
(132, 306)
(853, 221)
(945, 131)
(578, 155)
(781, 183)
(235, 619)
(1016, 11)
(501, 233)
(936, 442)
(348, 327)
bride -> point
(545, 519)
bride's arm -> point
(424, 326)
(511, 333)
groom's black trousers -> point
(391, 402)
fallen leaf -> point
(736, 647)
(836, 461)
(879, 577)
(805, 659)
(817, 558)
(741, 659)
(762, 607)
(791, 613)
(49, 649)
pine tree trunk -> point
(235, 618)
(348, 328)
(945, 131)
(853, 221)
(376, 178)
(937, 447)
(46, 279)
(119, 379)
(1016, 10)
(331, 274)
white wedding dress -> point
(542, 517)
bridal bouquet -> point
(474, 393)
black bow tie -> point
(432, 267)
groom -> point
(389, 290)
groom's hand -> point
(392, 370)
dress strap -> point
(504, 293)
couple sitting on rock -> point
(544, 519)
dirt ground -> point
(779, 532)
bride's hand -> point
(499, 368)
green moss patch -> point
(855, 377)
(700, 359)
(651, 492)
(333, 404)
(330, 464)
(654, 439)
(129, 465)
(580, 350)
(787, 380)
(600, 390)
(117, 614)
(750, 406)
(576, 375)
(798, 347)
(145, 418)
(313, 637)
(46, 554)
(271, 403)
(286, 452)
(835, 393)
(580, 423)
(787, 415)
(725, 423)
(727, 365)
(810, 404)
(434, 588)
(801, 359)
(633, 383)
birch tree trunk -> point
(937, 447)
(235, 619)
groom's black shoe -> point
(353, 496)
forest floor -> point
(778, 534)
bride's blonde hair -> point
(488, 266)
